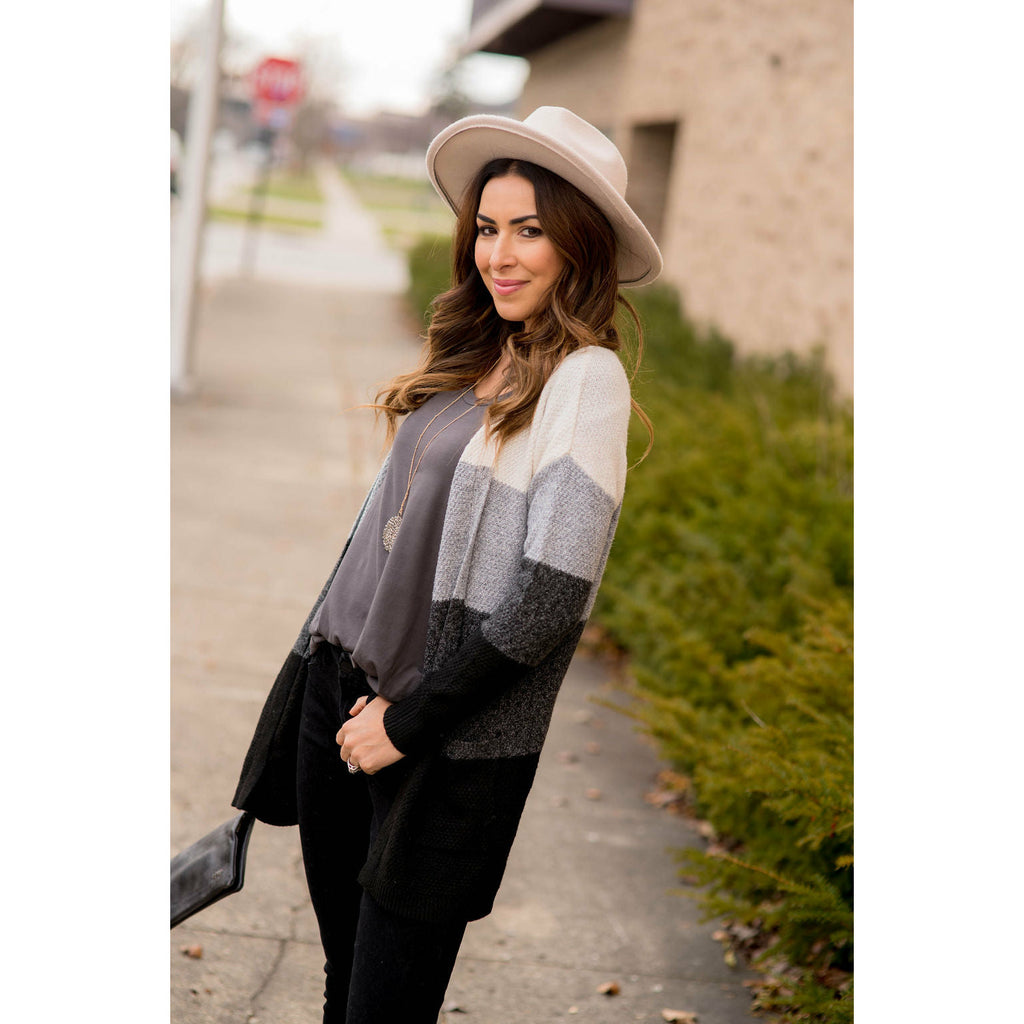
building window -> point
(651, 150)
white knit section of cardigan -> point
(582, 411)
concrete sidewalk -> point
(348, 253)
(270, 461)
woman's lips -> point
(506, 287)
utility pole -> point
(202, 116)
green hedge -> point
(730, 587)
(429, 272)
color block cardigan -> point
(526, 536)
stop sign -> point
(277, 81)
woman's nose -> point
(503, 254)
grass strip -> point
(224, 213)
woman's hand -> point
(363, 740)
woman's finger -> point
(359, 705)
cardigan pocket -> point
(459, 810)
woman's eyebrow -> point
(515, 220)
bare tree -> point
(449, 95)
(186, 49)
(239, 52)
(323, 66)
(324, 74)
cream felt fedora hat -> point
(558, 140)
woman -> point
(404, 729)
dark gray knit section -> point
(541, 605)
(516, 721)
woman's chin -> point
(511, 316)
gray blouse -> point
(379, 601)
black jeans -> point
(380, 968)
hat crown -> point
(591, 144)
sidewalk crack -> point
(281, 945)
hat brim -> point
(458, 152)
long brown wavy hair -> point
(466, 336)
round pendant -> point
(390, 532)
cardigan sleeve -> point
(574, 496)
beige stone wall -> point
(758, 225)
(582, 72)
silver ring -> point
(353, 768)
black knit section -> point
(266, 787)
(466, 680)
(514, 722)
(442, 850)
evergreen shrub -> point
(730, 588)
(429, 272)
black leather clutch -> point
(210, 869)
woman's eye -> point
(532, 232)
(484, 229)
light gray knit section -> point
(482, 542)
(565, 511)
(589, 607)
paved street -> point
(270, 460)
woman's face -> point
(514, 256)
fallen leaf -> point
(593, 794)
(593, 747)
(452, 1007)
(679, 1016)
(662, 798)
(193, 951)
(720, 935)
(609, 988)
(673, 780)
(567, 757)
(729, 957)
(574, 1009)
(833, 977)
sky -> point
(389, 52)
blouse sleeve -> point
(574, 498)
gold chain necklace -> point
(392, 525)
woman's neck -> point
(487, 387)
